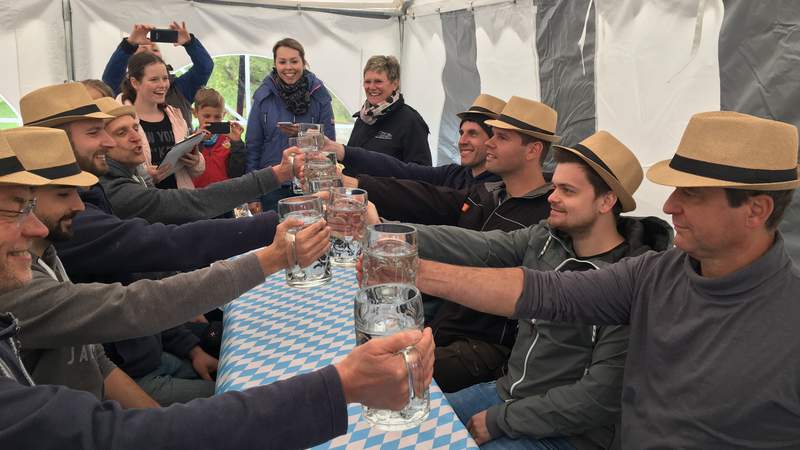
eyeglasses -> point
(19, 215)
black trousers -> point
(463, 363)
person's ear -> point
(607, 202)
(759, 208)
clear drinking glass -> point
(318, 165)
(390, 255)
(304, 143)
(346, 216)
(383, 310)
(309, 210)
(324, 184)
(310, 128)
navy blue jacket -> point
(108, 249)
(358, 161)
(400, 132)
(300, 412)
(265, 142)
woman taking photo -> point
(161, 125)
(289, 95)
(386, 124)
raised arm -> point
(300, 412)
(105, 244)
(177, 206)
(358, 161)
(414, 201)
(600, 296)
(202, 66)
(455, 245)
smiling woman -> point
(386, 124)
(290, 94)
(161, 125)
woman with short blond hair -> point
(386, 124)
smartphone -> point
(163, 35)
(285, 124)
(219, 127)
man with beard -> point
(299, 412)
(473, 134)
(106, 248)
(64, 321)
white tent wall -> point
(337, 46)
(32, 47)
(421, 75)
(650, 78)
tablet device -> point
(181, 148)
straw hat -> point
(11, 170)
(58, 104)
(614, 162)
(114, 108)
(529, 117)
(47, 153)
(732, 150)
(485, 105)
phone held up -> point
(219, 127)
(163, 35)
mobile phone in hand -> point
(218, 127)
(285, 124)
(164, 35)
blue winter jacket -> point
(265, 142)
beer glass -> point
(304, 143)
(346, 216)
(390, 255)
(309, 128)
(318, 165)
(324, 184)
(383, 310)
(309, 210)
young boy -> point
(224, 153)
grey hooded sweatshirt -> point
(563, 379)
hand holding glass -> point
(390, 255)
(346, 216)
(309, 210)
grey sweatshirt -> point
(130, 198)
(60, 318)
(712, 363)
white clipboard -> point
(181, 148)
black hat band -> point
(80, 111)
(731, 173)
(591, 156)
(520, 124)
(10, 165)
(51, 173)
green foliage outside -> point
(7, 113)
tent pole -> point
(66, 8)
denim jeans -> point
(474, 399)
(175, 381)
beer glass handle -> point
(416, 381)
(293, 262)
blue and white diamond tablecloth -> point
(275, 332)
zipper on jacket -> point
(527, 357)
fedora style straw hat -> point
(529, 117)
(58, 104)
(485, 105)
(114, 108)
(11, 169)
(614, 162)
(47, 153)
(732, 150)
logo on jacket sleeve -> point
(384, 135)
